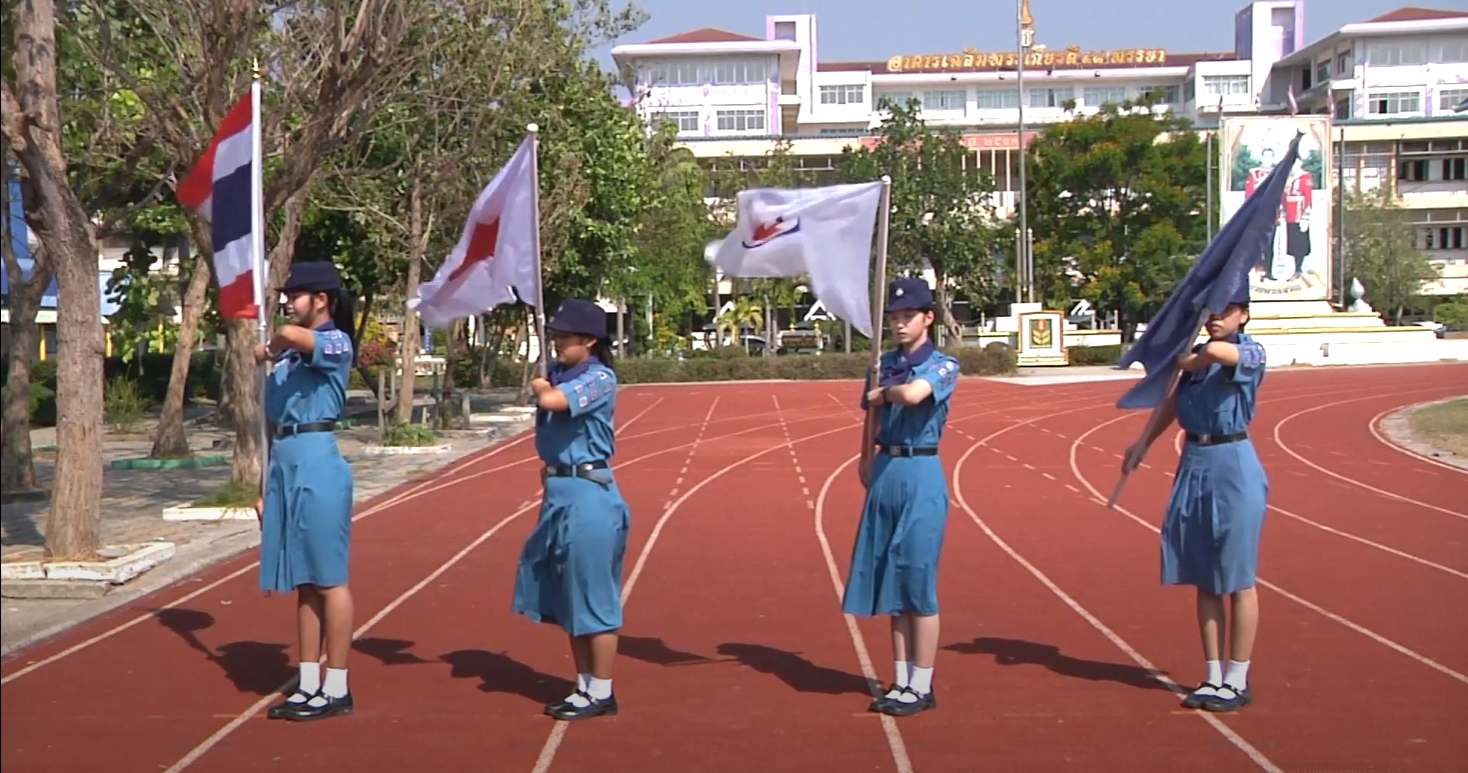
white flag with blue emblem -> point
(822, 233)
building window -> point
(1322, 72)
(1104, 95)
(1051, 97)
(1449, 99)
(1166, 95)
(1343, 107)
(1452, 50)
(944, 100)
(893, 98)
(1455, 168)
(996, 99)
(1225, 85)
(1396, 54)
(843, 95)
(1394, 102)
(685, 120)
(741, 120)
(737, 73)
(1413, 171)
(785, 30)
(1343, 63)
(673, 74)
(1444, 238)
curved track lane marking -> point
(1368, 633)
(1310, 522)
(558, 732)
(234, 724)
(1120, 643)
(1375, 425)
(1312, 465)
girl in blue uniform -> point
(894, 564)
(570, 570)
(306, 507)
(1210, 537)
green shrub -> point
(996, 359)
(43, 405)
(1094, 355)
(408, 435)
(123, 404)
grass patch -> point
(1444, 425)
(408, 436)
(231, 494)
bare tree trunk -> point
(32, 123)
(17, 465)
(408, 341)
(244, 398)
(172, 441)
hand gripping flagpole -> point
(879, 297)
(534, 131)
(257, 241)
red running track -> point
(735, 654)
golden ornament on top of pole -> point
(255, 72)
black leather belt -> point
(583, 470)
(1216, 440)
(910, 450)
(301, 429)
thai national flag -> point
(224, 188)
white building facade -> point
(1391, 84)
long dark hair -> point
(602, 350)
(343, 307)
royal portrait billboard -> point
(1296, 265)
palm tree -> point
(745, 313)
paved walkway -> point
(133, 502)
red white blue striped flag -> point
(224, 188)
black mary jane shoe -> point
(1197, 697)
(1228, 699)
(279, 710)
(333, 707)
(567, 711)
(900, 708)
(882, 700)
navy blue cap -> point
(909, 293)
(315, 276)
(579, 317)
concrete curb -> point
(194, 559)
(1396, 428)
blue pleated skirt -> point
(894, 563)
(1210, 537)
(570, 571)
(306, 524)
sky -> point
(869, 30)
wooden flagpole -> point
(879, 297)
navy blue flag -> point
(1220, 275)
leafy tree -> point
(1381, 251)
(1116, 203)
(942, 215)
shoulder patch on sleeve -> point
(1252, 354)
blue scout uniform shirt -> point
(1219, 400)
(583, 433)
(918, 425)
(306, 388)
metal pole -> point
(1024, 221)
(1340, 216)
(1210, 186)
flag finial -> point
(255, 69)
(532, 128)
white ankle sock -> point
(921, 681)
(1215, 672)
(310, 682)
(582, 680)
(335, 684)
(1238, 675)
(599, 689)
(904, 675)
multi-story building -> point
(1392, 85)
